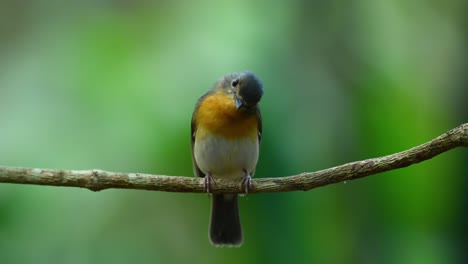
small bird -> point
(226, 136)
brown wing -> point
(259, 117)
(193, 131)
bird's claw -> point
(208, 180)
(247, 180)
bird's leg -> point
(208, 180)
(247, 180)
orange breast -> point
(217, 114)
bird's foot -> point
(208, 181)
(247, 180)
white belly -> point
(226, 158)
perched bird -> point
(226, 135)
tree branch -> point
(97, 180)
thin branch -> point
(97, 180)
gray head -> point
(245, 86)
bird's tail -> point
(225, 226)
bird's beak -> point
(238, 101)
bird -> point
(226, 132)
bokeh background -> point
(112, 85)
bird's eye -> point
(235, 83)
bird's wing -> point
(193, 132)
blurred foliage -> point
(112, 84)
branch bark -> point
(96, 180)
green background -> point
(112, 85)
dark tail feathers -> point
(225, 226)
